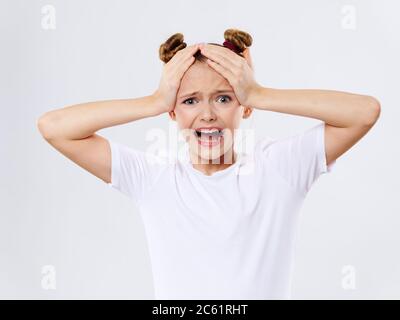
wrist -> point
(260, 98)
(158, 104)
(155, 105)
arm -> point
(71, 130)
(348, 117)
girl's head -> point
(205, 99)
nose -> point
(207, 113)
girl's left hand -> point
(237, 70)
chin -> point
(212, 151)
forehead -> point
(201, 77)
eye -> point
(229, 98)
(184, 102)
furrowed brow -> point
(197, 92)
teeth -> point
(208, 132)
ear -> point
(247, 112)
(172, 115)
(247, 56)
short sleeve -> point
(300, 159)
(133, 172)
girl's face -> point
(205, 99)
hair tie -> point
(231, 46)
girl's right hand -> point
(173, 72)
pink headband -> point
(231, 46)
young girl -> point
(222, 224)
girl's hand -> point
(237, 70)
(173, 72)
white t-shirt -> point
(230, 235)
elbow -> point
(46, 125)
(373, 111)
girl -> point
(222, 224)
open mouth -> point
(209, 137)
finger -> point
(185, 64)
(185, 53)
(227, 54)
(221, 49)
(181, 57)
(220, 59)
(226, 73)
(224, 57)
(183, 60)
(183, 67)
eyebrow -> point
(196, 92)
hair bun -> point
(173, 44)
(240, 39)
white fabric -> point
(230, 235)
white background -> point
(52, 212)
